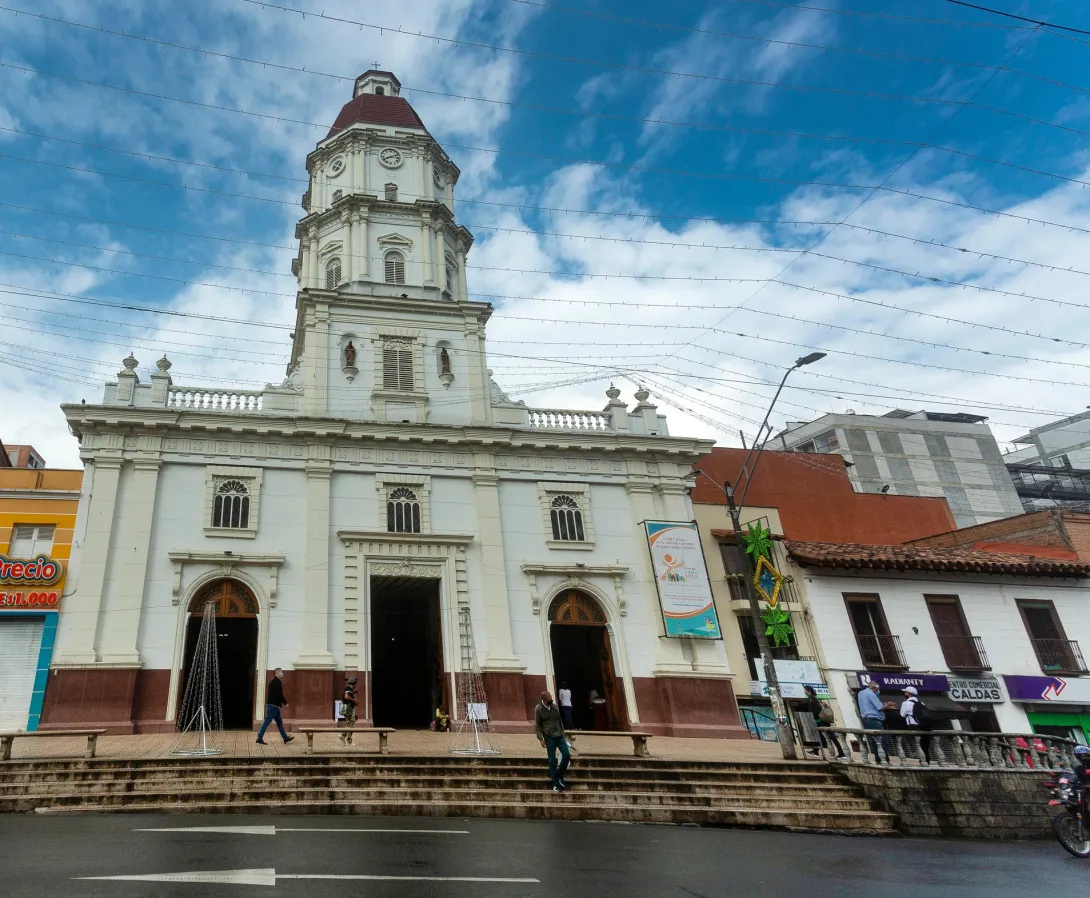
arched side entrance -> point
(583, 660)
(236, 647)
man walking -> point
(563, 696)
(274, 701)
(350, 705)
(873, 714)
(549, 729)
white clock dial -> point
(390, 157)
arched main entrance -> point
(583, 660)
(236, 647)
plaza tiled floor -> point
(405, 743)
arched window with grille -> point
(332, 274)
(567, 519)
(402, 511)
(397, 366)
(395, 267)
(231, 505)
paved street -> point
(45, 856)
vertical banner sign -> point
(681, 576)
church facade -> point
(360, 517)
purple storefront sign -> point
(1048, 689)
(896, 682)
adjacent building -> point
(920, 453)
(24, 457)
(387, 511)
(37, 521)
(1052, 467)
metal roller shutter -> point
(20, 643)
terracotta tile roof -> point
(853, 556)
(376, 109)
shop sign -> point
(29, 599)
(685, 593)
(794, 676)
(975, 689)
(1048, 689)
(40, 571)
(898, 682)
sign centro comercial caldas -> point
(975, 689)
(38, 574)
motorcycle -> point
(1070, 825)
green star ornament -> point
(778, 626)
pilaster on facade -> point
(499, 655)
(314, 653)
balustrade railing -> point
(946, 748)
(561, 419)
(964, 653)
(215, 400)
(881, 651)
(1059, 656)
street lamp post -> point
(775, 695)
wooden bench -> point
(639, 740)
(6, 739)
(383, 747)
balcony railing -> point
(881, 651)
(565, 419)
(1060, 656)
(215, 400)
(964, 653)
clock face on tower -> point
(390, 157)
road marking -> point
(269, 877)
(273, 830)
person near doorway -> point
(598, 711)
(274, 702)
(917, 717)
(872, 711)
(823, 719)
(351, 701)
(549, 729)
(563, 696)
(441, 723)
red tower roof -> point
(376, 109)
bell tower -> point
(385, 330)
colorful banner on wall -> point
(40, 580)
(681, 577)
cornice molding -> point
(406, 539)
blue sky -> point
(672, 212)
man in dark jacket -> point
(274, 701)
(549, 729)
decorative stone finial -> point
(163, 364)
(642, 395)
(130, 363)
(613, 392)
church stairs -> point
(803, 796)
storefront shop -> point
(794, 677)
(1054, 706)
(934, 691)
(30, 597)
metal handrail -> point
(1059, 656)
(964, 652)
(881, 651)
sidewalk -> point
(407, 743)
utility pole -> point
(775, 695)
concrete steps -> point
(804, 796)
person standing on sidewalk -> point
(563, 696)
(274, 701)
(350, 704)
(917, 717)
(549, 729)
(873, 714)
(823, 719)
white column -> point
(499, 650)
(362, 250)
(429, 175)
(314, 628)
(479, 394)
(441, 260)
(348, 266)
(428, 275)
(421, 176)
(119, 636)
(463, 288)
(314, 281)
(79, 622)
(669, 657)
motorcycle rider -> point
(1082, 774)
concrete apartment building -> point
(1052, 467)
(921, 453)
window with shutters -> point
(31, 540)
(452, 276)
(402, 511)
(231, 501)
(397, 366)
(565, 509)
(332, 274)
(395, 267)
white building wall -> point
(990, 610)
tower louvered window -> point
(395, 267)
(332, 274)
(397, 366)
